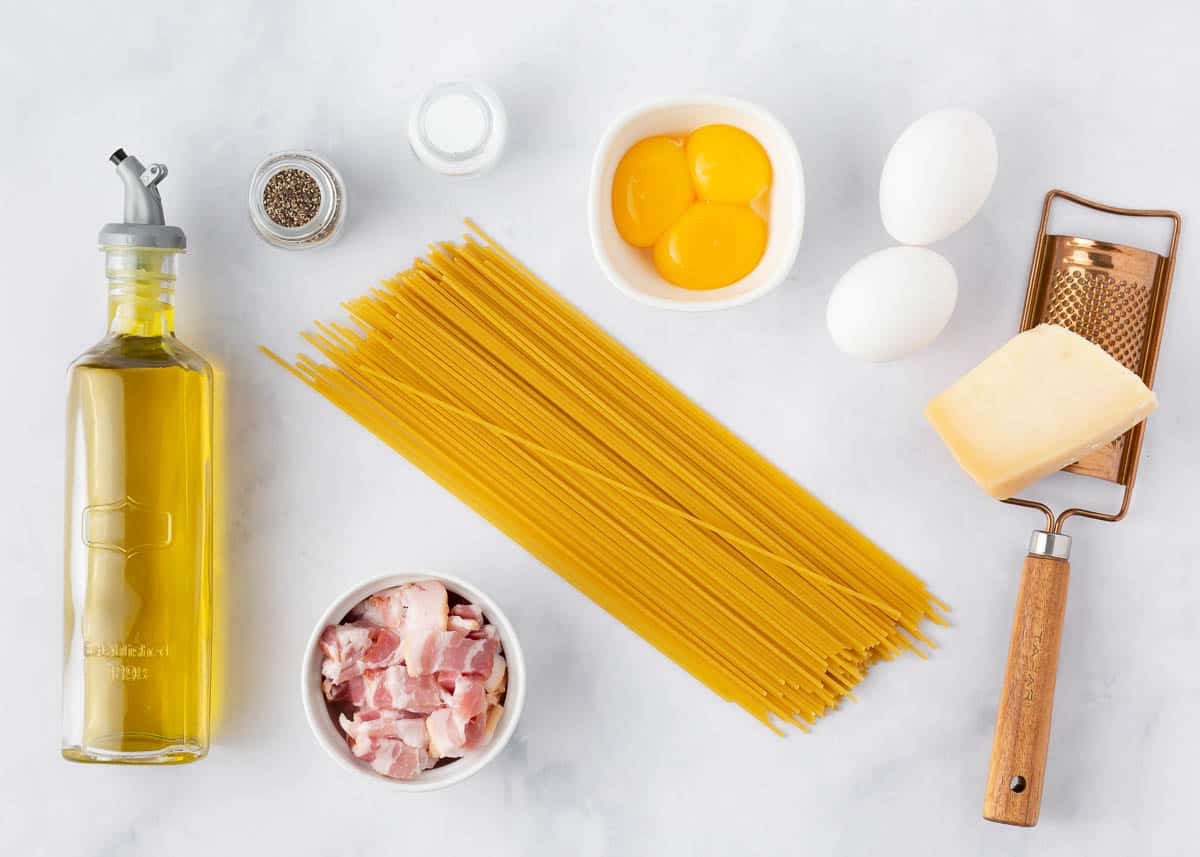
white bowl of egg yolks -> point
(631, 269)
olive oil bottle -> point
(139, 517)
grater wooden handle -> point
(1017, 770)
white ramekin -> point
(330, 737)
(630, 269)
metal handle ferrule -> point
(1054, 545)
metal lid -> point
(144, 224)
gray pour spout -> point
(144, 224)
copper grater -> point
(1115, 296)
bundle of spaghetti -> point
(495, 386)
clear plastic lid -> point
(458, 129)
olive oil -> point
(138, 520)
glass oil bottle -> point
(139, 517)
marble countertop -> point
(619, 751)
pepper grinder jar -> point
(297, 200)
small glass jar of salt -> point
(458, 129)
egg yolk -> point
(727, 165)
(710, 246)
(651, 189)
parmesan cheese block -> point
(1039, 403)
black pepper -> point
(291, 198)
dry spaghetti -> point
(508, 396)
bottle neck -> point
(141, 291)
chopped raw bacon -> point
(395, 688)
(398, 760)
(385, 609)
(425, 607)
(424, 680)
(487, 632)
(497, 680)
(468, 611)
(445, 741)
(461, 726)
(469, 700)
(495, 684)
(474, 732)
(368, 728)
(493, 718)
(353, 691)
(345, 642)
(449, 740)
(465, 618)
(337, 673)
(364, 648)
(458, 623)
(450, 651)
(384, 650)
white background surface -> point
(619, 752)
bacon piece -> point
(461, 725)
(450, 651)
(495, 684)
(352, 650)
(395, 688)
(336, 675)
(420, 606)
(497, 680)
(445, 739)
(343, 647)
(368, 728)
(465, 618)
(398, 760)
(425, 607)
(458, 623)
(468, 611)
(344, 642)
(474, 733)
(469, 700)
(385, 609)
(384, 650)
(493, 718)
(487, 632)
(335, 692)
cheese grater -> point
(1116, 297)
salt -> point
(458, 128)
(456, 124)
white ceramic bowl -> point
(328, 734)
(630, 269)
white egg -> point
(937, 176)
(892, 303)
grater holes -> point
(1114, 314)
